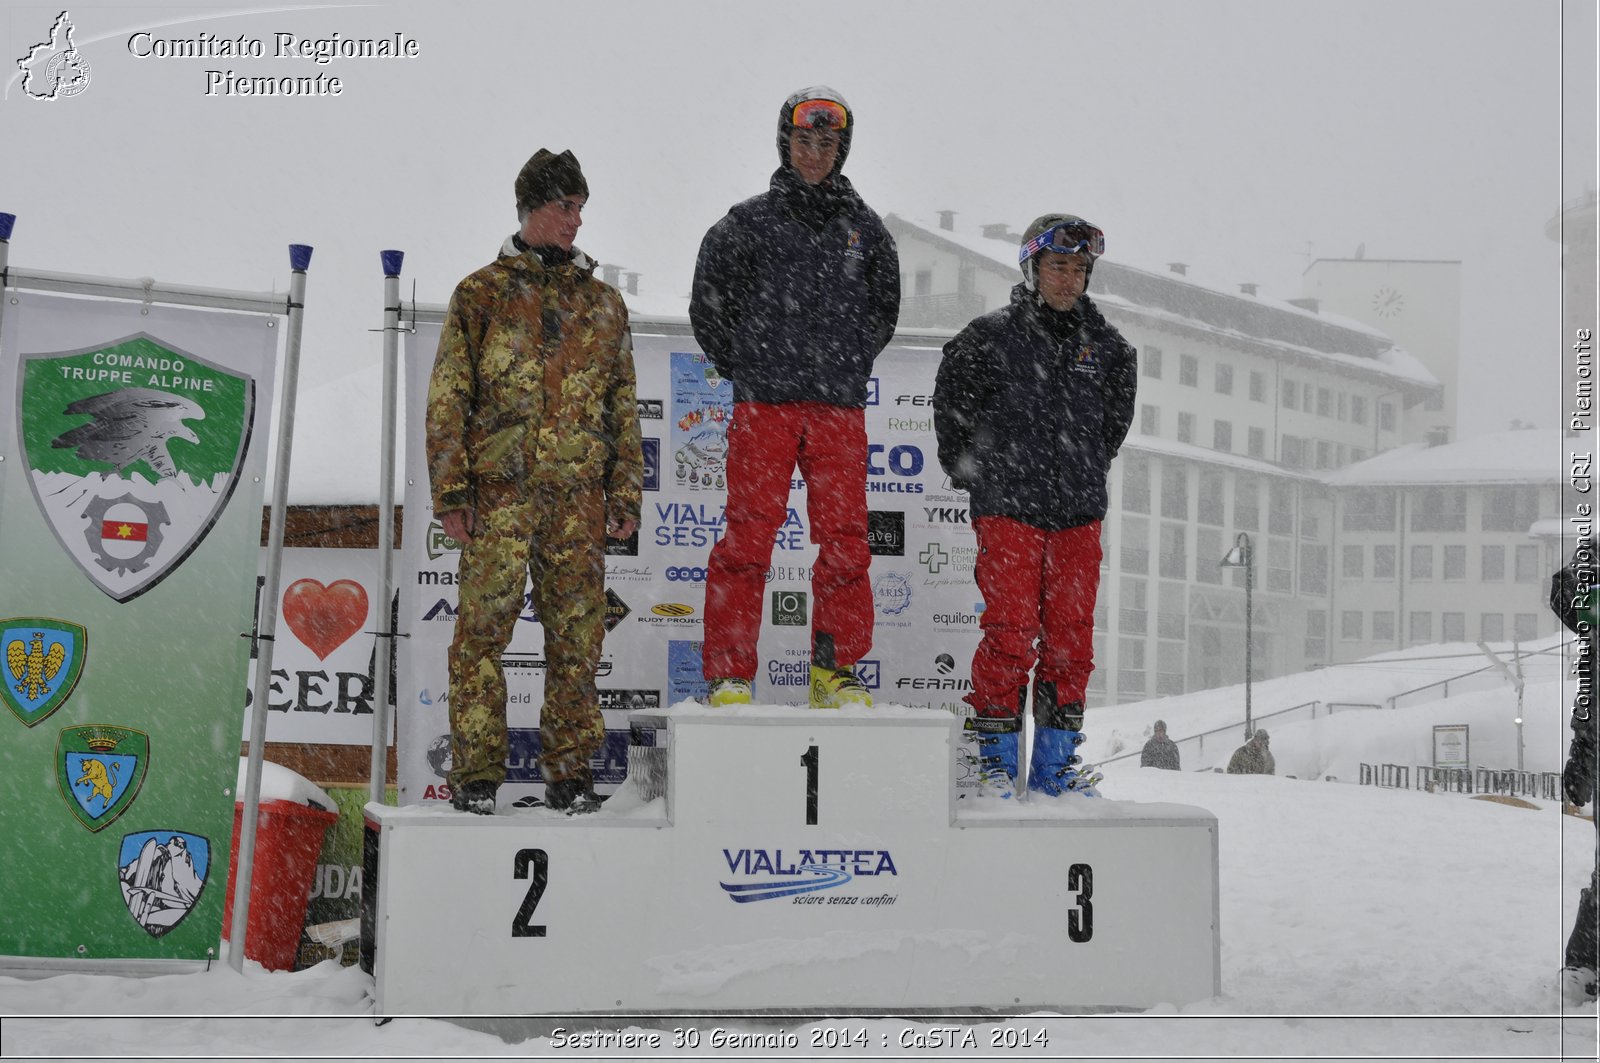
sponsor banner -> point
(919, 533)
(323, 678)
(132, 451)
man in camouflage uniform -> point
(534, 457)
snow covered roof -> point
(1205, 455)
(1520, 456)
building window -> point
(1222, 436)
(1355, 558)
(1210, 500)
(1308, 397)
(1188, 370)
(1171, 611)
(1324, 402)
(1510, 509)
(1133, 618)
(1526, 627)
(1186, 428)
(1174, 554)
(1290, 392)
(1455, 565)
(1494, 563)
(1256, 446)
(1135, 484)
(1421, 562)
(1343, 406)
(1246, 503)
(1369, 509)
(1280, 566)
(1351, 627)
(1386, 417)
(1383, 561)
(1174, 490)
(1207, 552)
(1383, 626)
(1358, 409)
(1130, 666)
(1224, 379)
(1439, 509)
(1149, 420)
(1258, 386)
(1316, 634)
(1421, 627)
(1324, 454)
(1169, 668)
(1493, 627)
(1294, 452)
(1150, 362)
(922, 282)
(1527, 561)
(1453, 627)
(1280, 508)
(1313, 568)
(1135, 545)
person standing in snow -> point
(1031, 404)
(534, 458)
(795, 293)
(1160, 751)
(1572, 599)
(1253, 758)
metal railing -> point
(1484, 678)
(1506, 782)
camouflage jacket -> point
(533, 384)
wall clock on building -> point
(1388, 302)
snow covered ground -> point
(1357, 922)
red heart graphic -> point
(324, 618)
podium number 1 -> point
(810, 759)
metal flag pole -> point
(7, 221)
(392, 261)
(267, 626)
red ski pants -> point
(1039, 586)
(765, 442)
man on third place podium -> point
(1032, 402)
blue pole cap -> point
(392, 261)
(299, 257)
(6, 222)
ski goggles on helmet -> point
(1068, 238)
(814, 113)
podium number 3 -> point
(539, 861)
(1080, 921)
(809, 759)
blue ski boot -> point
(997, 755)
(1055, 768)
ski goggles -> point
(1068, 238)
(814, 113)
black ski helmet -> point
(1043, 224)
(816, 92)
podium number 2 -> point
(540, 862)
(1080, 921)
(810, 759)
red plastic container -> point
(288, 838)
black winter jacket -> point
(1029, 412)
(795, 293)
(1566, 591)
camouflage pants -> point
(557, 539)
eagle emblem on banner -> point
(43, 660)
(133, 451)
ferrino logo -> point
(768, 874)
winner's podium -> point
(794, 859)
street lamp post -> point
(1242, 556)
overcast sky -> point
(1245, 137)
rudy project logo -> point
(133, 451)
(44, 659)
(54, 69)
(162, 873)
(100, 769)
(767, 874)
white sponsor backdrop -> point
(322, 667)
(927, 604)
